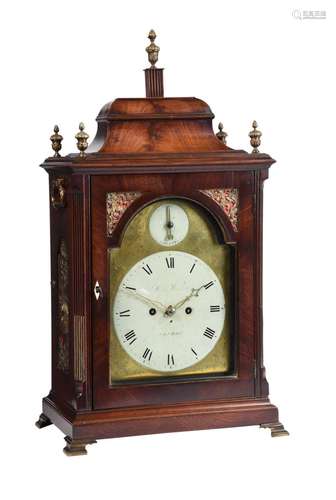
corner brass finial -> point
(82, 138)
(56, 141)
(255, 137)
(221, 134)
(152, 49)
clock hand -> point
(194, 293)
(169, 224)
(148, 300)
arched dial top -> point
(168, 293)
(169, 311)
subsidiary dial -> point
(168, 224)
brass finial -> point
(152, 49)
(221, 134)
(56, 141)
(255, 137)
(82, 138)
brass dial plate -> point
(137, 244)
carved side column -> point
(261, 384)
(80, 277)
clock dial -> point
(168, 224)
(169, 311)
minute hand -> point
(194, 293)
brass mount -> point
(221, 134)
(56, 141)
(152, 49)
(255, 137)
(82, 140)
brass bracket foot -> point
(43, 421)
(277, 429)
(75, 447)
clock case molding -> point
(155, 147)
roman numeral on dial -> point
(214, 309)
(147, 269)
(170, 262)
(147, 354)
(170, 360)
(209, 333)
(208, 285)
(130, 337)
(124, 314)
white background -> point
(60, 62)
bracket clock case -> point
(156, 274)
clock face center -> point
(170, 311)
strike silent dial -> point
(168, 224)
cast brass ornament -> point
(56, 141)
(58, 193)
(221, 134)
(228, 200)
(116, 206)
(255, 137)
(152, 49)
(82, 140)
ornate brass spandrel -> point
(255, 137)
(200, 241)
(228, 200)
(58, 193)
(82, 140)
(56, 141)
(152, 49)
(63, 308)
(116, 205)
(222, 135)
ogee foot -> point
(277, 429)
(43, 421)
(76, 447)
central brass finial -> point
(152, 49)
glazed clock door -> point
(164, 308)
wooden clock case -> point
(146, 149)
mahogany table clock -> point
(156, 274)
